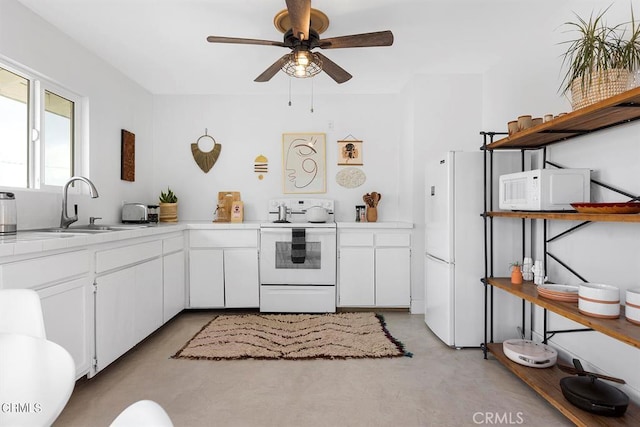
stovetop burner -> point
(297, 209)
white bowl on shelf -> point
(632, 314)
(603, 310)
(598, 292)
(633, 296)
(632, 310)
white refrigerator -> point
(454, 262)
(454, 251)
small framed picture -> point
(350, 153)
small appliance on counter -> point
(8, 213)
(153, 213)
(135, 213)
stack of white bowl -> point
(598, 300)
(632, 309)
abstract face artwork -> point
(303, 163)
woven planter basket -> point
(603, 85)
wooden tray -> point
(607, 208)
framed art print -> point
(304, 163)
(350, 153)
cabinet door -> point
(174, 284)
(356, 277)
(206, 278)
(147, 312)
(241, 284)
(67, 309)
(393, 277)
(115, 307)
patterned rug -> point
(293, 336)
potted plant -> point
(168, 206)
(600, 60)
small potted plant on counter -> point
(168, 206)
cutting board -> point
(225, 202)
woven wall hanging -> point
(206, 159)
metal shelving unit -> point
(611, 112)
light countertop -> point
(33, 241)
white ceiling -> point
(161, 44)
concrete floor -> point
(438, 386)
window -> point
(38, 131)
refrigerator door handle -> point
(435, 258)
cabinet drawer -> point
(120, 257)
(36, 272)
(173, 244)
(356, 239)
(393, 239)
(223, 238)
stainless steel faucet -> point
(65, 219)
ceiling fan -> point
(302, 27)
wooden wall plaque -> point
(128, 158)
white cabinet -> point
(374, 268)
(393, 281)
(223, 268)
(356, 276)
(129, 298)
(173, 276)
(241, 277)
(206, 278)
(65, 291)
(67, 309)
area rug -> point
(293, 336)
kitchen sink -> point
(93, 229)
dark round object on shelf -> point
(594, 396)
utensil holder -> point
(372, 214)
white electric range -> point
(298, 259)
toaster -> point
(135, 213)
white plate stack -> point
(632, 309)
(598, 300)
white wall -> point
(115, 103)
(248, 126)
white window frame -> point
(37, 86)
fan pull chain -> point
(289, 91)
(312, 95)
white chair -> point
(21, 312)
(37, 376)
(143, 413)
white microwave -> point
(544, 189)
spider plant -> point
(598, 48)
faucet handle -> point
(92, 219)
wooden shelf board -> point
(567, 216)
(546, 382)
(612, 111)
(620, 329)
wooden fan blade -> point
(272, 70)
(380, 38)
(236, 40)
(300, 17)
(334, 71)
